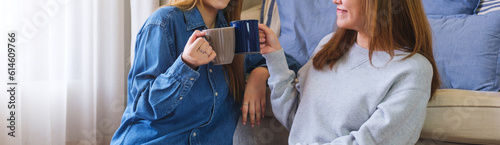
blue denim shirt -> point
(168, 102)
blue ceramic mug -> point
(247, 36)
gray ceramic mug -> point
(223, 43)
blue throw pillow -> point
(450, 7)
(467, 51)
(303, 24)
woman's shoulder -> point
(323, 41)
(416, 63)
(164, 15)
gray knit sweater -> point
(355, 102)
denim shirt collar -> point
(194, 19)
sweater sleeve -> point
(284, 95)
(253, 61)
(159, 79)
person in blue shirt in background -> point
(175, 94)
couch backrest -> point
(466, 45)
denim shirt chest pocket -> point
(208, 92)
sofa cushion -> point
(270, 16)
(463, 116)
(247, 4)
(450, 7)
(467, 51)
(303, 24)
(251, 13)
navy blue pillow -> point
(467, 51)
(450, 7)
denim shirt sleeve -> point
(159, 79)
(253, 61)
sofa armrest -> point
(463, 116)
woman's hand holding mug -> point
(197, 51)
(268, 40)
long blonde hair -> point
(391, 24)
(235, 70)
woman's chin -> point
(342, 25)
(221, 5)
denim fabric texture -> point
(168, 102)
(253, 61)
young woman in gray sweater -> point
(368, 83)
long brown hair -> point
(235, 70)
(391, 25)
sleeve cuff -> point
(182, 72)
(262, 65)
(276, 61)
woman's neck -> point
(363, 40)
(209, 15)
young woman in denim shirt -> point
(175, 95)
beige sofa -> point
(453, 116)
(462, 116)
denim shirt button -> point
(216, 94)
(210, 70)
(191, 78)
(194, 134)
(180, 98)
